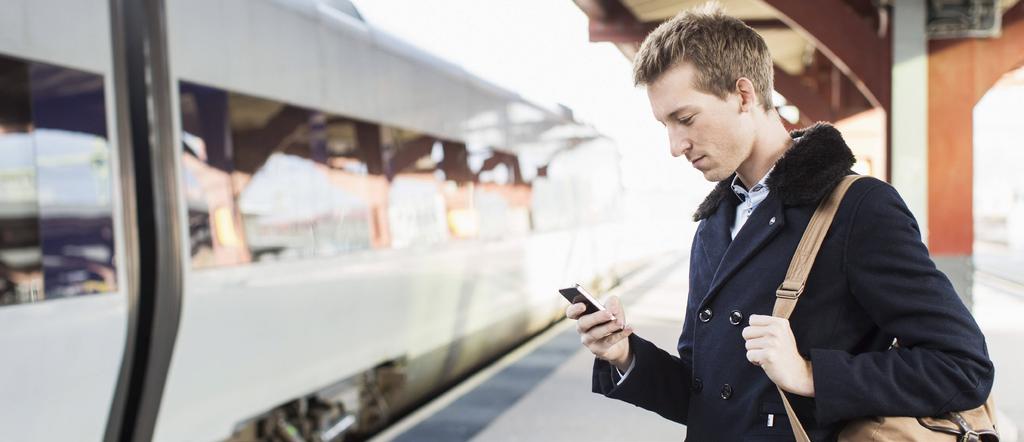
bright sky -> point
(540, 49)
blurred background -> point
(341, 220)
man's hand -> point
(604, 333)
(770, 345)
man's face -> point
(715, 135)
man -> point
(709, 81)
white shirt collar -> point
(760, 188)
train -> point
(353, 223)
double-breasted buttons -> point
(726, 391)
(697, 385)
(736, 317)
(705, 315)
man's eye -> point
(686, 121)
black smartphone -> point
(577, 293)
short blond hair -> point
(721, 48)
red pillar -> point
(959, 73)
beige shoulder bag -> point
(977, 425)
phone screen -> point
(577, 294)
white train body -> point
(427, 278)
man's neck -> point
(769, 145)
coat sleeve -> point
(942, 364)
(659, 381)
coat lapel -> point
(811, 167)
(715, 237)
(757, 231)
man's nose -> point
(678, 146)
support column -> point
(932, 145)
(910, 108)
(960, 72)
(951, 160)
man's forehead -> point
(673, 102)
(673, 91)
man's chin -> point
(715, 176)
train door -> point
(89, 240)
(64, 301)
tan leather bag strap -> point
(792, 287)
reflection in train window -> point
(358, 190)
(416, 210)
(21, 270)
(215, 232)
(56, 224)
(462, 216)
(266, 180)
(502, 198)
(280, 189)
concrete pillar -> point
(914, 171)
(910, 107)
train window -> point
(279, 185)
(56, 209)
(215, 226)
(21, 270)
(577, 188)
(416, 208)
(502, 197)
(358, 192)
(462, 216)
(268, 180)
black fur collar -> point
(804, 174)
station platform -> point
(541, 391)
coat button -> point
(771, 221)
(726, 391)
(705, 315)
(697, 385)
(736, 317)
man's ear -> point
(745, 89)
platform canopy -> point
(832, 60)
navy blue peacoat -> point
(873, 281)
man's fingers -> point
(763, 320)
(586, 322)
(601, 331)
(573, 311)
(756, 357)
(759, 343)
(614, 338)
(756, 331)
